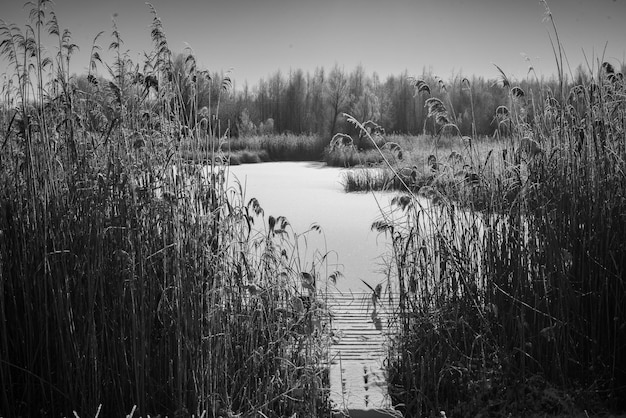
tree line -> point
(315, 103)
(300, 102)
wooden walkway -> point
(357, 376)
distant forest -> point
(305, 103)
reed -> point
(516, 305)
(130, 279)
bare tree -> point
(337, 93)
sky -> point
(255, 38)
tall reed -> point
(127, 276)
(516, 305)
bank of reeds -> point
(264, 148)
(519, 307)
(447, 163)
(351, 157)
(129, 278)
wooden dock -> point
(357, 377)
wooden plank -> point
(357, 377)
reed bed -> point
(451, 165)
(351, 157)
(516, 305)
(130, 279)
(264, 148)
(291, 147)
(366, 179)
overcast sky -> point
(257, 37)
